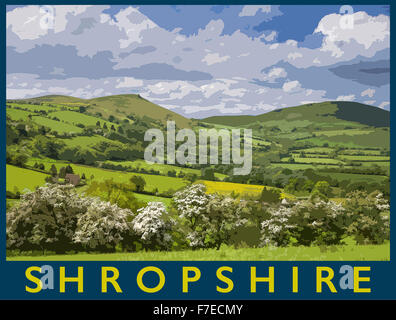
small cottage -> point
(73, 179)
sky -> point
(201, 61)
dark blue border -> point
(13, 281)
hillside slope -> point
(328, 112)
(120, 106)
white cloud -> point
(291, 86)
(368, 34)
(350, 97)
(213, 58)
(233, 61)
(32, 22)
(249, 11)
(384, 104)
(294, 55)
(274, 74)
(129, 82)
(22, 93)
(368, 92)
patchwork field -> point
(163, 183)
(76, 117)
(162, 168)
(59, 126)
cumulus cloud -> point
(366, 33)
(89, 53)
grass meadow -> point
(330, 253)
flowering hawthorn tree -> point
(370, 217)
(277, 229)
(211, 218)
(45, 219)
(319, 222)
(308, 222)
(153, 226)
(191, 205)
(102, 226)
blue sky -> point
(202, 60)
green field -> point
(59, 126)
(35, 108)
(149, 198)
(87, 142)
(76, 117)
(350, 132)
(163, 183)
(331, 253)
(365, 158)
(23, 178)
(16, 114)
(298, 166)
(313, 160)
(162, 168)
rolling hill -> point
(323, 112)
(120, 106)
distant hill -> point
(328, 112)
(120, 106)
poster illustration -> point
(197, 152)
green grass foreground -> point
(330, 253)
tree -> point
(208, 174)
(191, 177)
(120, 130)
(172, 173)
(190, 204)
(62, 172)
(121, 194)
(322, 188)
(308, 222)
(19, 159)
(98, 123)
(102, 227)
(45, 146)
(270, 195)
(139, 182)
(53, 171)
(69, 169)
(45, 219)
(222, 221)
(370, 217)
(153, 226)
(211, 219)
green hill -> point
(324, 112)
(119, 106)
